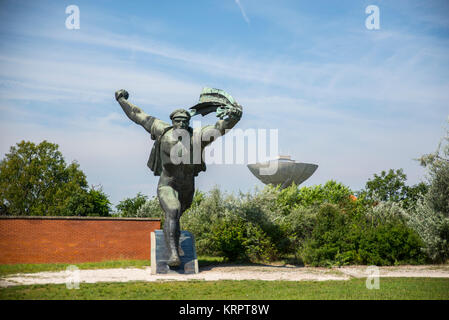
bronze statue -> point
(177, 153)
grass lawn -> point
(6, 269)
(390, 289)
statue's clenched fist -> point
(122, 93)
(235, 112)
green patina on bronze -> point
(214, 100)
(177, 181)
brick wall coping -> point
(80, 218)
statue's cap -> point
(180, 113)
(211, 96)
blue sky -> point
(352, 100)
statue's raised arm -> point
(233, 113)
(226, 108)
(153, 125)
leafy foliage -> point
(228, 238)
(342, 239)
(129, 206)
(330, 192)
(390, 243)
(151, 209)
(391, 187)
(438, 167)
(387, 186)
(333, 240)
(430, 217)
(35, 180)
(387, 223)
(433, 229)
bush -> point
(228, 238)
(437, 164)
(438, 194)
(432, 227)
(236, 239)
(296, 228)
(390, 243)
(386, 212)
(230, 227)
(205, 212)
(340, 239)
(333, 241)
(330, 192)
(263, 210)
(320, 225)
(259, 246)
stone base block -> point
(159, 256)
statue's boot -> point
(172, 234)
(178, 244)
(174, 260)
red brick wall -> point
(74, 239)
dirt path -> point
(224, 272)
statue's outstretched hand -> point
(122, 93)
(236, 112)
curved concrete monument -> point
(288, 172)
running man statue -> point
(176, 155)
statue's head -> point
(180, 119)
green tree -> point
(414, 193)
(431, 215)
(129, 206)
(437, 164)
(387, 186)
(391, 187)
(35, 180)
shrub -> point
(205, 212)
(437, 164)
(235, 228)
(296, 227)
(339, 238)
(432, 227)
(438, 194)
(228, 238)
(390, 243)
(263, 211)
(331, 192)
(236, 239)
(333, 240)
(386, 212)
(259, 246)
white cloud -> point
(245, 17)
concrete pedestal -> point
(159, 256)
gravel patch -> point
(223, 272)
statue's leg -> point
(168, 198)
(185, 198)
